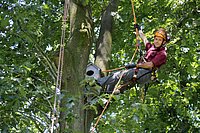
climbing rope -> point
(55, 112)
(117, 86)
(138, 46)
(137, 33)
(107, 103)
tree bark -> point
(103, 51)
(75, 62)
(76, 59)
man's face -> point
(158, 41)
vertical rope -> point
(55, 112)
(137, 33)
(138, 46)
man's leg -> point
(143, 76)
(109, 82)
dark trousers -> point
(143, 76)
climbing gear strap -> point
(111, 70)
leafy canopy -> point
(30, 34)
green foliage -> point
(85, 2)
(28, 30)
(30, 35)
(171, 105)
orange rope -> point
(137, 32)
(107, 103)
(132, 3)
(134, 54)
(137, 41)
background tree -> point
(30, 36)
(76, 60)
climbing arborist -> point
(142, 72)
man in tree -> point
(141, 72)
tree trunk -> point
(76, 59)
(75, 62)
(103, 51)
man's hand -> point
(136, 26)
(130, 66)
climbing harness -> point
(55, 111)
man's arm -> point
(144, 38)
